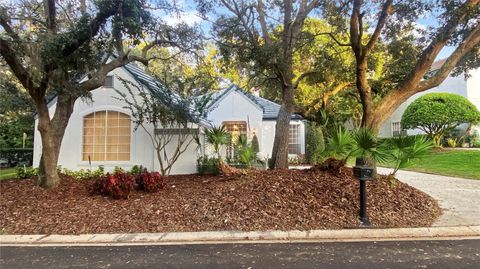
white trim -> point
(235, 88)
(103, 108)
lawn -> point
(8, 173)
(458, 163)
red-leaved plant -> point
(150, 181)
(117, 186)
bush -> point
(403, 149)
(83, 174)
(247, 156)
(438, 113)
(315, 144)
(26, 172)
(118, 185)
(452, 142)
(150, 181)
(255, 144)
(17, 156)
(137, 170)
(208, 165)
(299, 159)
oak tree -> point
(65, 49)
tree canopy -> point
(393, 26)
(66, 49)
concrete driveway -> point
(458, 197)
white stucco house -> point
(467, 87)
(100, 130)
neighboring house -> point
(101, 132)
(466, 87)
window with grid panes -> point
(106, 136)
(294, 139)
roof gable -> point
(270, 109)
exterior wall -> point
(473, 91)
(469, 88)
(141, 148)
(234, 106)
(268, 135)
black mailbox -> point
(363, 172)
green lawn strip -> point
(457, 163)
(8, 173)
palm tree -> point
(217, 136)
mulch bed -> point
(261, 200)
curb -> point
(430, 233)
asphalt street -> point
(340, 255)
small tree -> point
(174, 119)
(438, 113)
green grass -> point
(457, 163)
(8, 173)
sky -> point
(190, 16)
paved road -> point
(459, 198)
(359, 255)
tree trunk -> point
(52, 132)
(280, 144)
(47, 172)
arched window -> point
(106, 136)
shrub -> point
(150, 181)
(84, 174)
(403, 149)
(438, 113)
(217, 137)
(118, 185)
(340, 144)
(208, 165)
(118, 170)
(299, 159)
(26, 172)
(315, 144)
(247, 156)
(137, 170)
(452, 142)
(255, 144)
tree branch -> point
(263, 23)
(438, 42)
(50, 14)
(337, 89)
(17, 68)
(468, 44)
(303, 76)
(382, 20)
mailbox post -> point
(364, 173)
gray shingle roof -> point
(270, 109)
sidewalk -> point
(458, 197)
(345, 235)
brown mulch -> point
(260, 200)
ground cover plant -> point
(258, 200)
